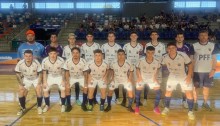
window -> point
(193, 4)
(97, 5)
(40, 5)
(52, 5)
(6, 5)
(66, 5)
(20, 5)
(112, 5)
(179, 4)
(83, 5)
(208, 4)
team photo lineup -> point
(93, 68)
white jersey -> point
(67, 52)
(148, 70)
(75, 70)
(110, 52)
(53, 69)
(28, 72)
(87, 51)
(176, 66)
(203, 57)
(160, 49)
(133, 53)
(121, 72)
(98, 72)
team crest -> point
(58, 67)
(159, 51)
(125, 72)
(103, 71)
(72, 68)
(34, 70)
(179, 64)
(209, 49)
(154, 68)
(137, 52)
(107, 50)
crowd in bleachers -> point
(167, 24)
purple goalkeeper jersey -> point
(59, 50)
(186, 48)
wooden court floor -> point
(119, 116)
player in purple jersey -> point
(186, 48)
(53, 43)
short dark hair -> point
(153, 31)
(133, 32)
(150, 48)
(179, 33)
(75, 48)
(97, 51)
(53, 34)
(89, 33)
(121, 50)
(28, 52)
(171, 44)
(111, 32)
(52, 49)
(203, 31)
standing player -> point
(87, 53)
(186, 48)
(176, 63)
(28, 72)
(133, 52)
(204, 68)
(147, 70)
(31, 44)
(76, 73)
(160, 49)
(53, 74)
(110, 50)
(122, 74)
(53, 43)
(97, 76)
(67, 49)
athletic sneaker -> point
(90, 108)
(206, 107)
(108, 108)
(185, 105)
(46, 108)
(95, 102)
(195, 106)
(68, 108)
(157, 110)
(145, 102)
(118, 102)
(137, 110)
(21, 112)
(162, 105)
(191, 115)
(165, 111)
(130, 109)
(78, 102)
(140, 103)
(83, 107)
(101, 108)
(123, 104)
(63, 108)
(39, 110)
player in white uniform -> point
(28, 73)
(147, 70)
(53, 73)
(204, 68)
(87, 53)
(133, 51)
(176, 63)
(97, 77)
(160, 49)
(122, 75)
(76, 73)
(67, 49)
(110, 50)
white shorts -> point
(51, 80)
(80, 81)
(150, 83)
(29, 82)
(127, 86)
(173, 81)
(100, 83)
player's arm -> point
(45, 78)
(63, 77)
(130, 75)
(85, 73)
(19, 78)
(40, 76)
(214, 62)
(111, 72)
(67, 77)
(105, 76)
(139, 77)
(156, 75)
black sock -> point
(39, 101)
(22, 102)
(77, 90)
(184, 96)
(84, 98)
(116, 93)
(102, 101)
(59, 93)
(124, 94)
(109, 99)
(94, 94)
(90, 101)
(63, 100)
(146, 90)
(68, 99)
(47, 101)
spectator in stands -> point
(31, 44)
(1, 28)
(53, 43)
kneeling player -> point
(176, 62)
(97, 76)
(28, 72)
(147, 70)
(76, 72)
(122, 73)
(53, 74)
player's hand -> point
(21, 86)
(188, 80)
(45, 85)
(63, 83)
(212, 73)
(139, 80)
